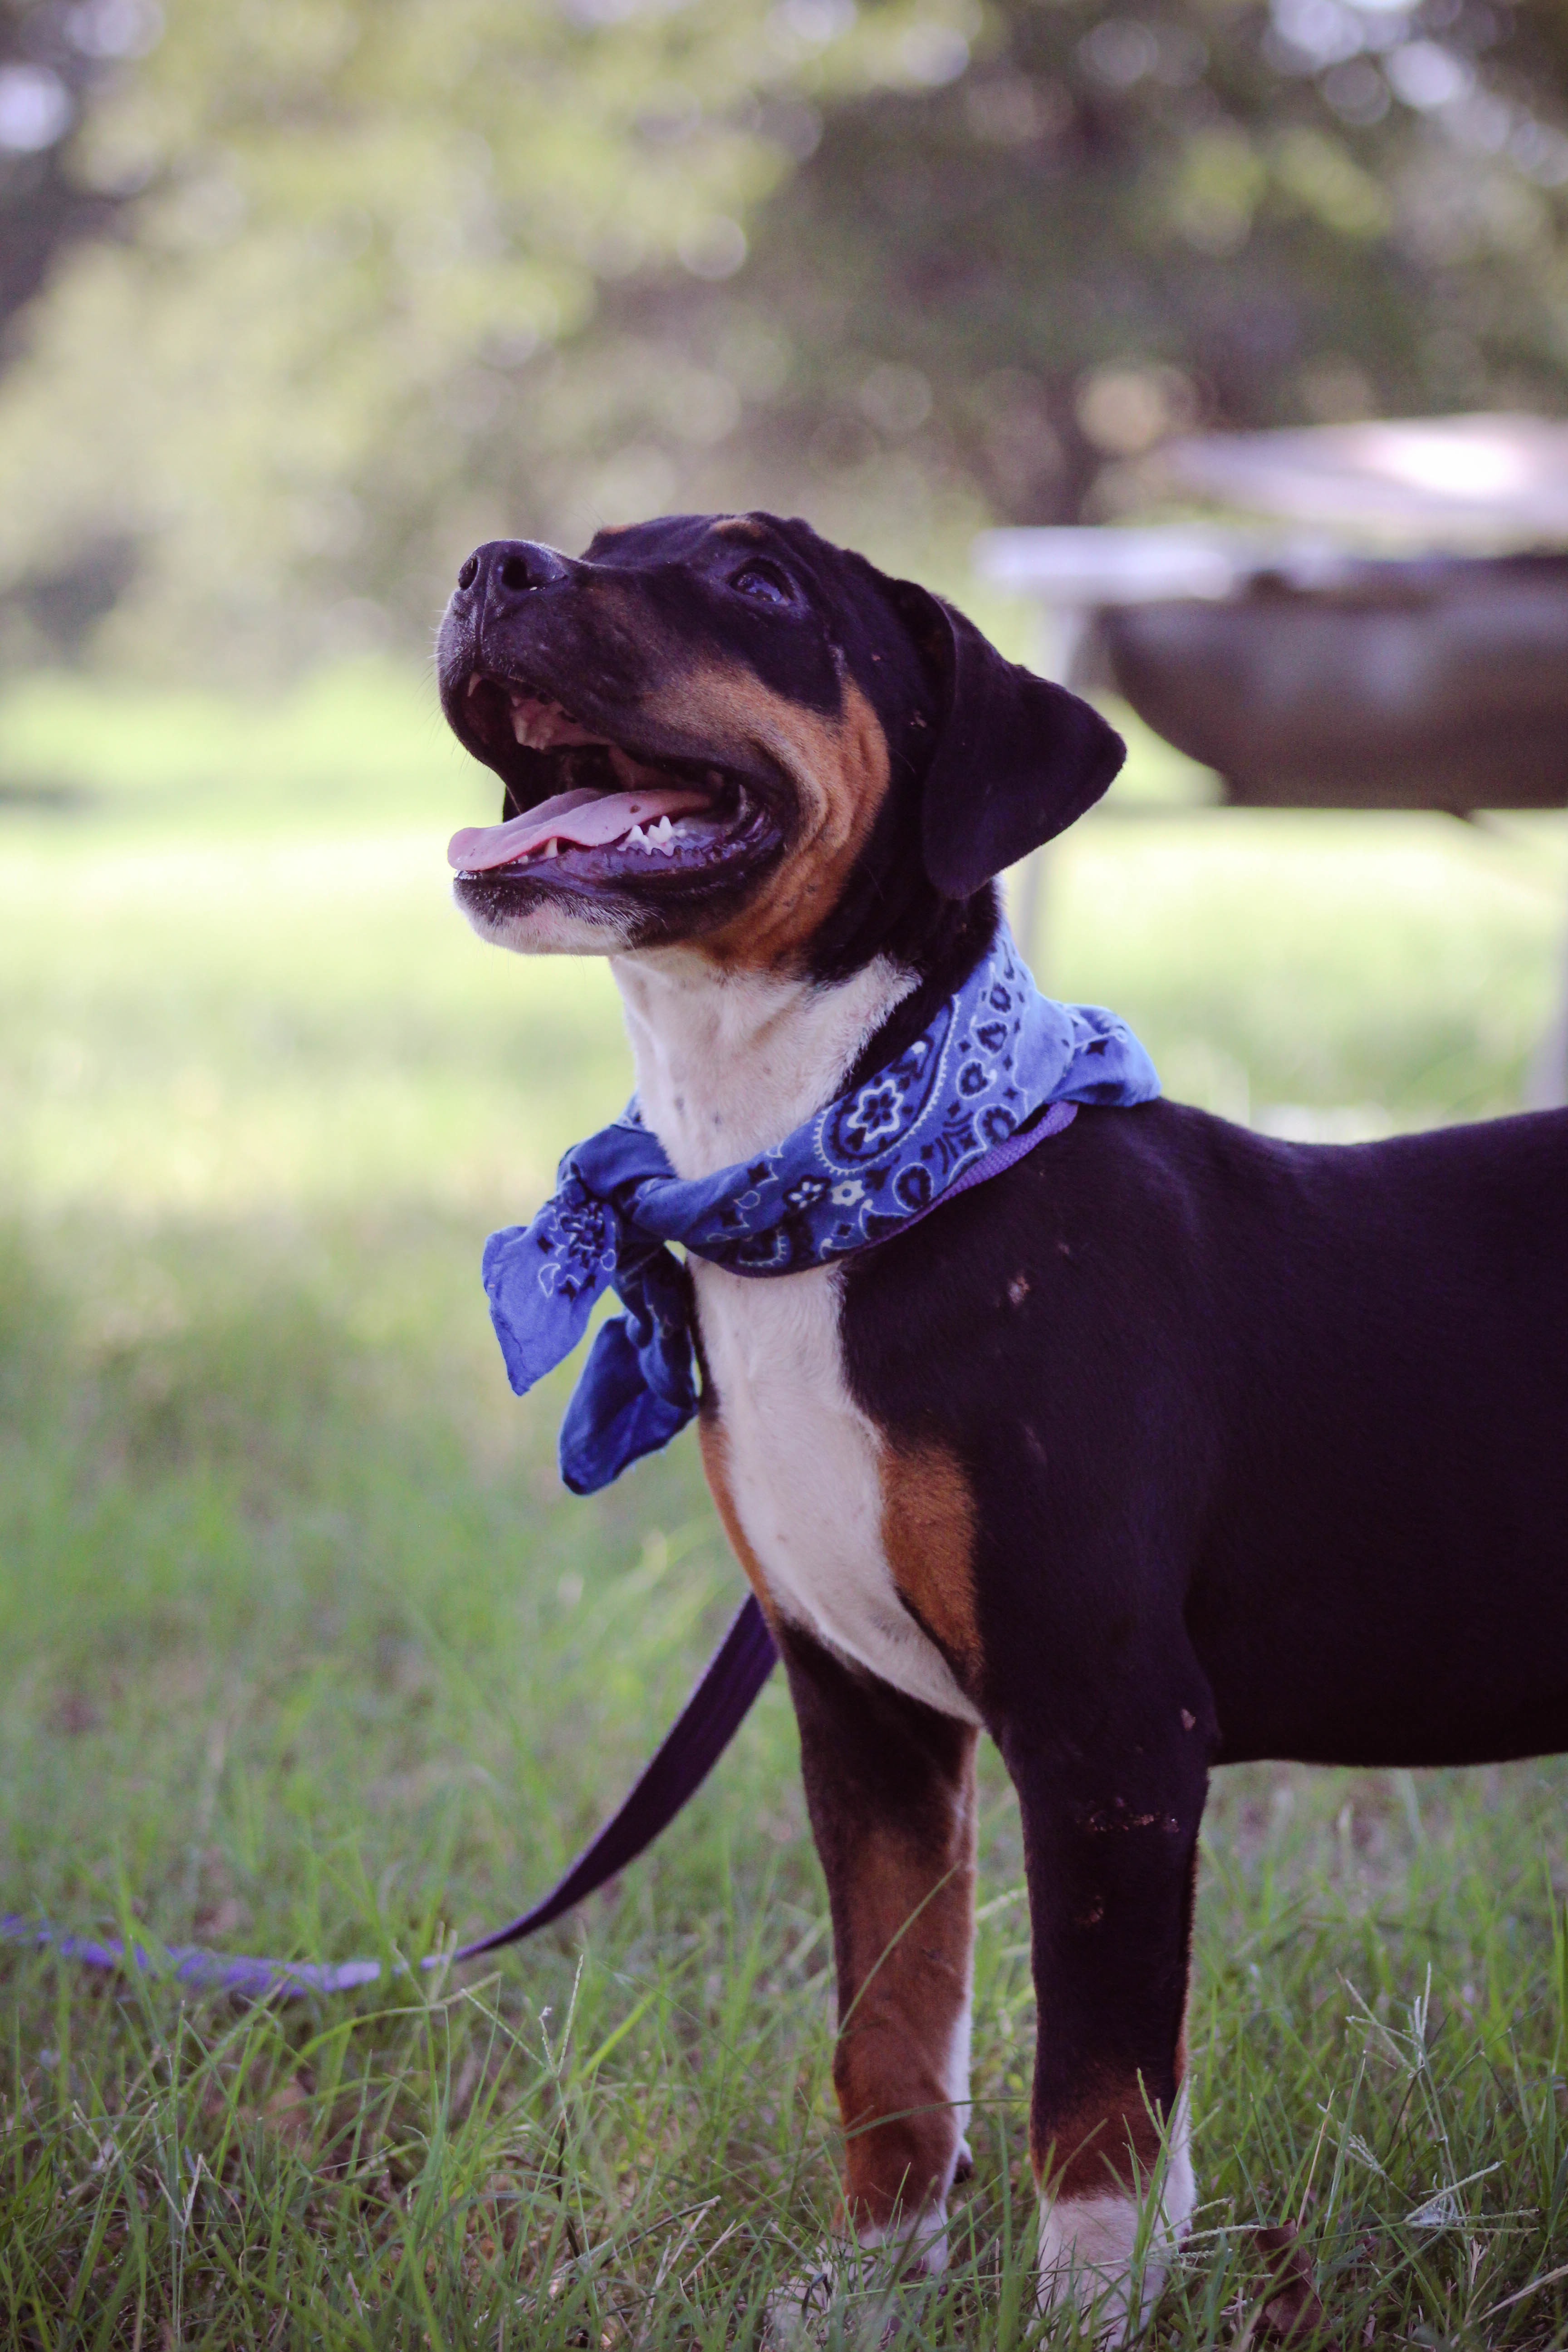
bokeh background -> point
(301, 1648)
(302, 299)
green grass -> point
(303, 1651)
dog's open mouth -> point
(592, 810)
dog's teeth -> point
(553, 849)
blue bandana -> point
(960, 1103)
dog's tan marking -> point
(1106, 2138)
(839, 765)
(928, 1533)
(904, 1933)
(739, 527)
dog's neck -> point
(728, 1064)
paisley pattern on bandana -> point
(873, 1159)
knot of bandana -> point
(965, 1100)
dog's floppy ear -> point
(1017, 759)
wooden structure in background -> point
(1388, 631)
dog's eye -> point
(761, 581)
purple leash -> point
(688, 1753)
(1001, 1156)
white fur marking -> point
(920, 2241)
(549, 928)
(728, 1063)
(803, 1463)
(1089, 2244)
(727, 1066)
(956, 2071)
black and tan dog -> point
(1172, 1446)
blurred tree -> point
(395, 274)
(354, 326)
(1118, 225)
(52, 59)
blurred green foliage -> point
(384, 280)
(351, 322)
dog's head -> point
(720, 729)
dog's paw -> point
(1108, 2253)
(801, 2312)
(1091, 2257)
(857, 2292)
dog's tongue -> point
(584, 819)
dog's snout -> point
(506, 569)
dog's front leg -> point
(1110, 1824)
(890, 1788)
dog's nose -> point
(504, 570)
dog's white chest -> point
(803, 1466)
(726, 1067)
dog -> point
(1172, 1446)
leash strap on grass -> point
(688, 1753)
